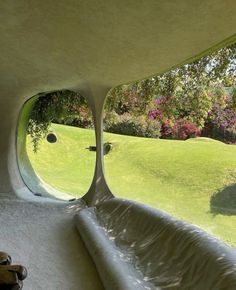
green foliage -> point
(189, 91)
(59, 107)
(140, 126)
(133, 98)
(107, 147)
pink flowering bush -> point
(168, 130)
(172, 125)
(184, 129)
(221, 120)
(181, 129)
(127, 124)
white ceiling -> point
(93, 45)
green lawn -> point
(176, 176)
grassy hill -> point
(179, 177)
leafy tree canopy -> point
(187, 93)
(189, 83)
(60, 107)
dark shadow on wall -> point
(224, 201)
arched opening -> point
(173, 142)
(55, 133)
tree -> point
(187, 92)
(64, 107)
(184, 95)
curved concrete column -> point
(21, 177)
(99, 190)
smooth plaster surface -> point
(98, 44)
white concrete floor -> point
(43, 238)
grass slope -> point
(176, 176)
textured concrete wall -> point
(9, 110)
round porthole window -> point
(51, 137)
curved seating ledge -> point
(137, 247)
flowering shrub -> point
(172, 125)
(184, 129)
(164, 108)
(180, 129)
(221, 120)
(127, 124)
(168, 129)
(214, 116)
(223, 116)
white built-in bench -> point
(137, 247)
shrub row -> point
(140, 126)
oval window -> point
(56, 159)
